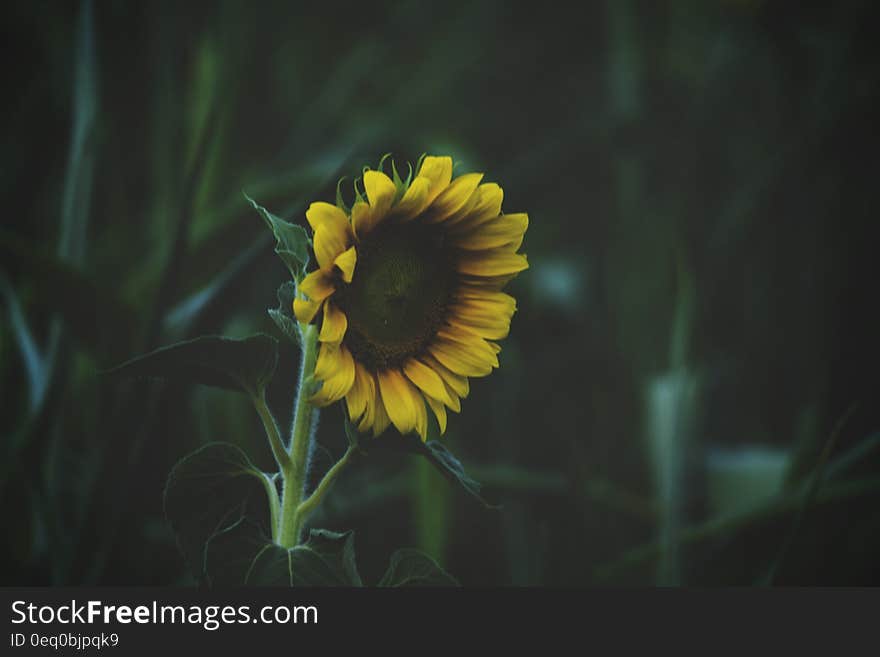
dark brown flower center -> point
(398, 297)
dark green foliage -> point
(283, 315)
(434, 451)
(292, 241)
(413, 568)
(220, 507)
(208, 494)
(238, 556)
(244, 365)
(450, 467)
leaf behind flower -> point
(244, 365)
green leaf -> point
(283, 315)
(212, 491)
(399, 184)
(433, 450)
(411, 567)
(245, 364)
(450, 467)
(292, 241)
(241, 555)
(337, 549)
(340, 202)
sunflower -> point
(409, 289)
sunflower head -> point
(408, 288)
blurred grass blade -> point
(181, 317)
(74, 208)
(81, 159)
(35, 364)
(92, 313)
(809, 497)
(625, 60)
(854, 456)
(705, 537)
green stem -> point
(309, 505)
(274, 503)
(295, 472)
(282, 458)
(288, 532)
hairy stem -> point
(295, 472)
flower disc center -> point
(398, 297)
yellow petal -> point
(492, 263)
(457, 385)
(488, 315)
(335, 367)
(489, 329)
(325, 214)
(369, 414)
(438, 170)
(480, 311)
(454, 197)
(506, 230)
(478, 297)
(426, 379)
(477, 345)
(333, 325)
(460, 358)
(455, 406)
(421, 416)
(361, 398)
(317, 286)
(486, 206)
(491, 283)
(381, 420)
(306, 309)
(414, 200)
(328, 361)
(329, 243)
(380, 192)
(464, 211)
(439, 410)
(362, 218)
(346, 262)
(399, 398)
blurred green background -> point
(689, 391)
